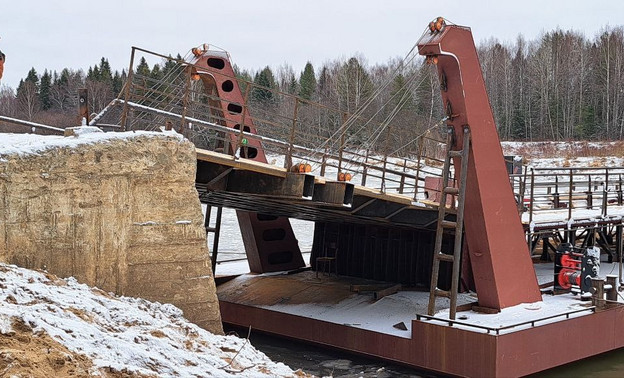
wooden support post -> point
(343, 132)
(291, 140)
(124, 113)
(619, 191)
(83, 106)
(605, 191)
(187, 89)
(571, 186)
(387, 291)
(385, 159)
(612, 293)
(420, 148)
(532, 196)
(598, 297)
(402, 183)
(365, 169)
(324, 161)
(618, 249)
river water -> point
(324, 362)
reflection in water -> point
(610, 364)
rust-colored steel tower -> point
(270, 243)
(499, 256)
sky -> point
(53, 34)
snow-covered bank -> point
(116, 334)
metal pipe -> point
(215, 241)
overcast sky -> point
(54, 34)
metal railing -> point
(564, 189)
(497, 330)
(390, 159)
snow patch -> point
(139, 336)
(31, 144)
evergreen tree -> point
(44, 90)
(93, 73)
(106, 75)
(292, 85)
(263, 80)
(33, 77)
(156, 73)
(307, 82)
(143, 68)
(170, 66)
(117, 83)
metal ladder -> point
(443, 224)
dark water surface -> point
(610, 364)
(324, 362)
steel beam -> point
(501, 264)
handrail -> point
(497, 330)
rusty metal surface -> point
(265, 254)
(83, 105)
(499, 256)
(448, 350)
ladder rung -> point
(442, 293)
(455, 154)
(449, 224)
(445, 257)
(451, 190)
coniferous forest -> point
(561, 86)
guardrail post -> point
(402, 182)
(187, 89)
(324, 159)
(521, 190)
(385, 159)
(420, 149)
(570, 195)
(342, 142)
(124, 113)
(618, 248)
(605, 192)
(619, 191)
(532, 196)
(291, 140)
(589, 194)
(365, 169)
(556, 201)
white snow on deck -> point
(561, 215)
(360, 311)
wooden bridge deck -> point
(244, 184)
